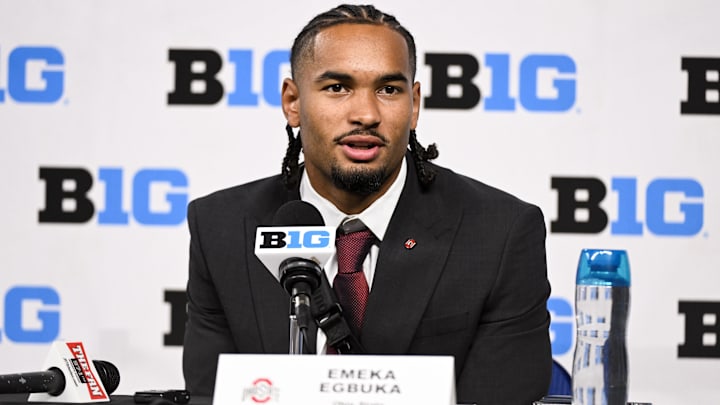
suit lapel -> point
(405, 277)
(270, 300)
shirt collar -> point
(376, 217)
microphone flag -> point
(82, 381)
(275, 244)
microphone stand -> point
(299, 319)
(307, 283)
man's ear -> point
(416, 104)
(291, 102)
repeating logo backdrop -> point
(114, 115)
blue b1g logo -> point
(295, 239)
(40, 326)
(67, 199)
(683, 218)
(34, 75)
(213, 91)
(529, 78)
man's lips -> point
(360, 147)
(360, 141)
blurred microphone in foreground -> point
(53, 381)
(70, 376)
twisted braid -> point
(421, 155)
(291, 166)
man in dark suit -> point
(457, 268)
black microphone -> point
(298, 213)
(52, 381)
(279, 247)
(299, 276)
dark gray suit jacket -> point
(475, 285)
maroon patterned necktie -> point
(353, 244)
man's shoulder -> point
(468, 191)
(251, 198)
(481, 204)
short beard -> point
(359, 181)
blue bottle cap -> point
(603, 267)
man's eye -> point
(335, 88)
(389, 90)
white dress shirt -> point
(376, 217)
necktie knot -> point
(352, 248)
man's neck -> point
(376, 216)
(352, 203)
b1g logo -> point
(546, 82)
(294, 239)
(31, 315)
(196, 79)
(34, 75)
(67, 200)
(561, 83)
(703, 86)
(583, 195)
(275, 244)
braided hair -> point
(303, 48)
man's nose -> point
(364, 109)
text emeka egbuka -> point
(360, 381)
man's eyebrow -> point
(394, 77)
(344, 77)
(330, 75)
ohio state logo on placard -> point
(262, 391)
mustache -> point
(362, 131)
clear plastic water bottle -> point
(602, 301)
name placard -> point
(334, 380)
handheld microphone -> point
(71, 376)
(53, 380)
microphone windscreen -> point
(298, 213)
(108, 374)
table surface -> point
(21, 399)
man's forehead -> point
(369, 44)
(341, 34)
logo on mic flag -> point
(277, 243)
(82, 382)
(84, 373)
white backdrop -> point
(103, 107)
